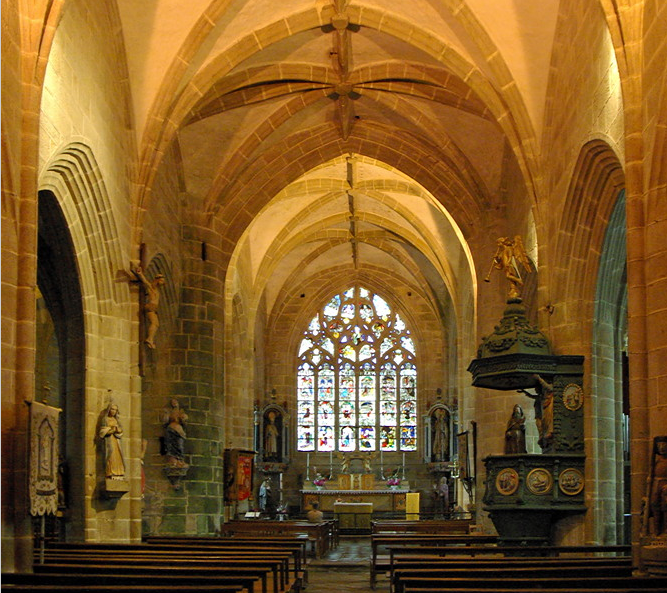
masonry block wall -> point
(84, 126)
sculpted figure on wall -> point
(440, 428)
(174, 434)
(510, 254)
(151, 304)
(271, 436)
(111, 432)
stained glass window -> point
(357, 378)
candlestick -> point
(330, 464)
(403, 476)
(307, 466)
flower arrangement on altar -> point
(393, 481)
(319, 480)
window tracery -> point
(357, 378)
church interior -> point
(382, 260)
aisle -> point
(345, 569)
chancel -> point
(402, 261)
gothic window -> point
(356, 378)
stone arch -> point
(609, 343)
(75, 181)
(74, 177)
(596, 182)
(286, 322)
(60, 295)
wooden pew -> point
(291, 553)
(321, 535)
(295, 543)
(473, 551)
(174, 571)
(168, 582)
(417, 564)
(442, 526)
(278, 567)
(575, 569)
(626, 586)
(543, 585)
(76, 587)
(381, 563)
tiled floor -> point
(344, 569)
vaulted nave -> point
(381, 261)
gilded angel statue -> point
(510, 256)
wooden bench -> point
(291, 551)
(277, 565)
(173, 569)
(321, 535)
(87, 578)
(430, 565)
(73, 583)
(542, 585)
(575, 569)
(625, 586)
(441, 526)
(381, 563)
(586, 551)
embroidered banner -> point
(44, 450)
(244, 476)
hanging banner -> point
(244, 476)
(44, 451)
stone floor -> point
(344, 569)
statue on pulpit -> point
(510, 256)
(544, 411)
(515, 434)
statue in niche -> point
(111, 432)
(657, 503)
(271, 436)
(174, 435)
(515, 434)
(509, 254)
(150, 306)
(440, 432)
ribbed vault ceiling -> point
(334, 133)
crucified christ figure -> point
(151, 304)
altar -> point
(357, 488)
(353, 515)
(381, 500)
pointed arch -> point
(596, 183)
(357, 379)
